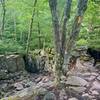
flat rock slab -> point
(95, 85)
(72, 99)
(78, 89)
(76, 81)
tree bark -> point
(30, 28)
(56, 27)
(3, 17)
(64, 28)
(81, 8)
(63, 48)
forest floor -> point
(83, 83)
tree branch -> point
(67, 10)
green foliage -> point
(17, 23)
(89, 35)
(9, 46)
(82, 42)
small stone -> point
(28, 84)
(63, 78)
(95, 74)
(50, 96)
(95, 86)
(73, 98)
(62, 95)
(91, 78)
(46, 85)
(45, 79)
(3, 74)
(86, 74)
(38, 79)
(42, 91)
(95, 93)
(78, 89)
(25, 94)
(65, 97)
(85, 96)
(3, 85)
(98, 78)
(18, 86)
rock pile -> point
(42, 87)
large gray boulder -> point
(30, 64)
(35, 64)
(15, 63)
(10, 64)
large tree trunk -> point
(56, 27)
(30, 28)
(81, 8)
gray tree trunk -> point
(81, 8)
(56, 27)
(63, 47)
(66, 16)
